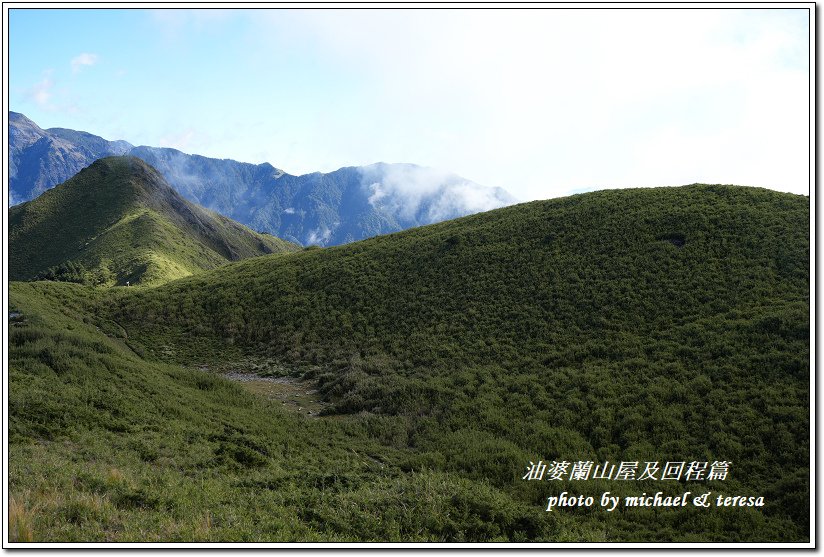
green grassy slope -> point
(632, 325)
(107, 446)
(660, 324)
(122, 222)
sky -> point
(540, 102)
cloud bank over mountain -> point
(415, 192)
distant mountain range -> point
(117, 222)
(348, 204)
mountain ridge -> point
(121, 221)
(332, 208)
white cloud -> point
(85, 59)
(542, 101)
(465, 198)
(537, 101)
(42, 91)
(48, 96)
(426, 194)
(320, 236)
(185, 140)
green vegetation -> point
(118, 221)
(106, 446)
(631, 325)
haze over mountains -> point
(332, 208)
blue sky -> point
(540, 102)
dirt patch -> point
(294, 394)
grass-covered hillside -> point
(632, 325)
(106, 446)
(117, 221)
